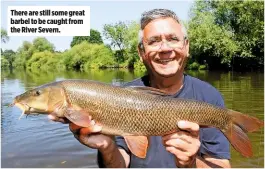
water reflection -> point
(51, 144)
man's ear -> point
(140, 50)
(187, 47)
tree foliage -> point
(4, 36)
(9, 56)
(123, 36)
(224, 32)
(86, 55)
(131, 43)
(27, 49)
(42, 60)
(116, 33)
(94, 37)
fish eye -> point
(37, 93)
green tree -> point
(41, 44)
(43, 60)
(27, 49)
(86, 55)
(94, 37)
(131, 43)
(9, 55)
(228, 31)
(4, 36)
(4, 63)
(210, 42)
(116, 34)
(23, 54)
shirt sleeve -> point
(120, 142)
(213, 141)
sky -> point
(101, 12)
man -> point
(164, 49)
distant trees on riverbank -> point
(223, 35)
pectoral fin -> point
(138, 145)
(78, 117)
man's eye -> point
(176, 39)
(154, 42)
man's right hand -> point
(90, 136)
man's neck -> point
(170, 85)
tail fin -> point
(236, 134)
(245, 122)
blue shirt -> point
(213, 142)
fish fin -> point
(236, 133)
(79, 117)
(239, 140)
(138, 145)
(91, 129)
(245, 122)
(149, 90)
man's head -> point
(163, 45)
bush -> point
(85, 56)
(43, 60)
(139, 66)
(194, 66)
(4, 63)
(202, 67)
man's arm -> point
(113, 157)
(209, 162)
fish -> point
(134, 112)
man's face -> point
(165, 47)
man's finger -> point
(74, 128)
(57, 119)
(189, 126)
(180, 155)
(179, 135)
(92, 129)
(179, 144)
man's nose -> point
(164, 47)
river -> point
(36, 142)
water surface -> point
(37, 142)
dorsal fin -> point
(148, 90)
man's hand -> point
(90, 137)
(184, 144)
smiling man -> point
(164, 49)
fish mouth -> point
(26, 109)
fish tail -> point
(236, 133)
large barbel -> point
(134, 112)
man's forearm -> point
(111, 158)
(212, 163)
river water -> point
(35, 142)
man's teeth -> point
(164, 60)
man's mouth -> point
(163, 61)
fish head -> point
(41, 100)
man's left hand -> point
(184, 144)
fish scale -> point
(145, 115)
